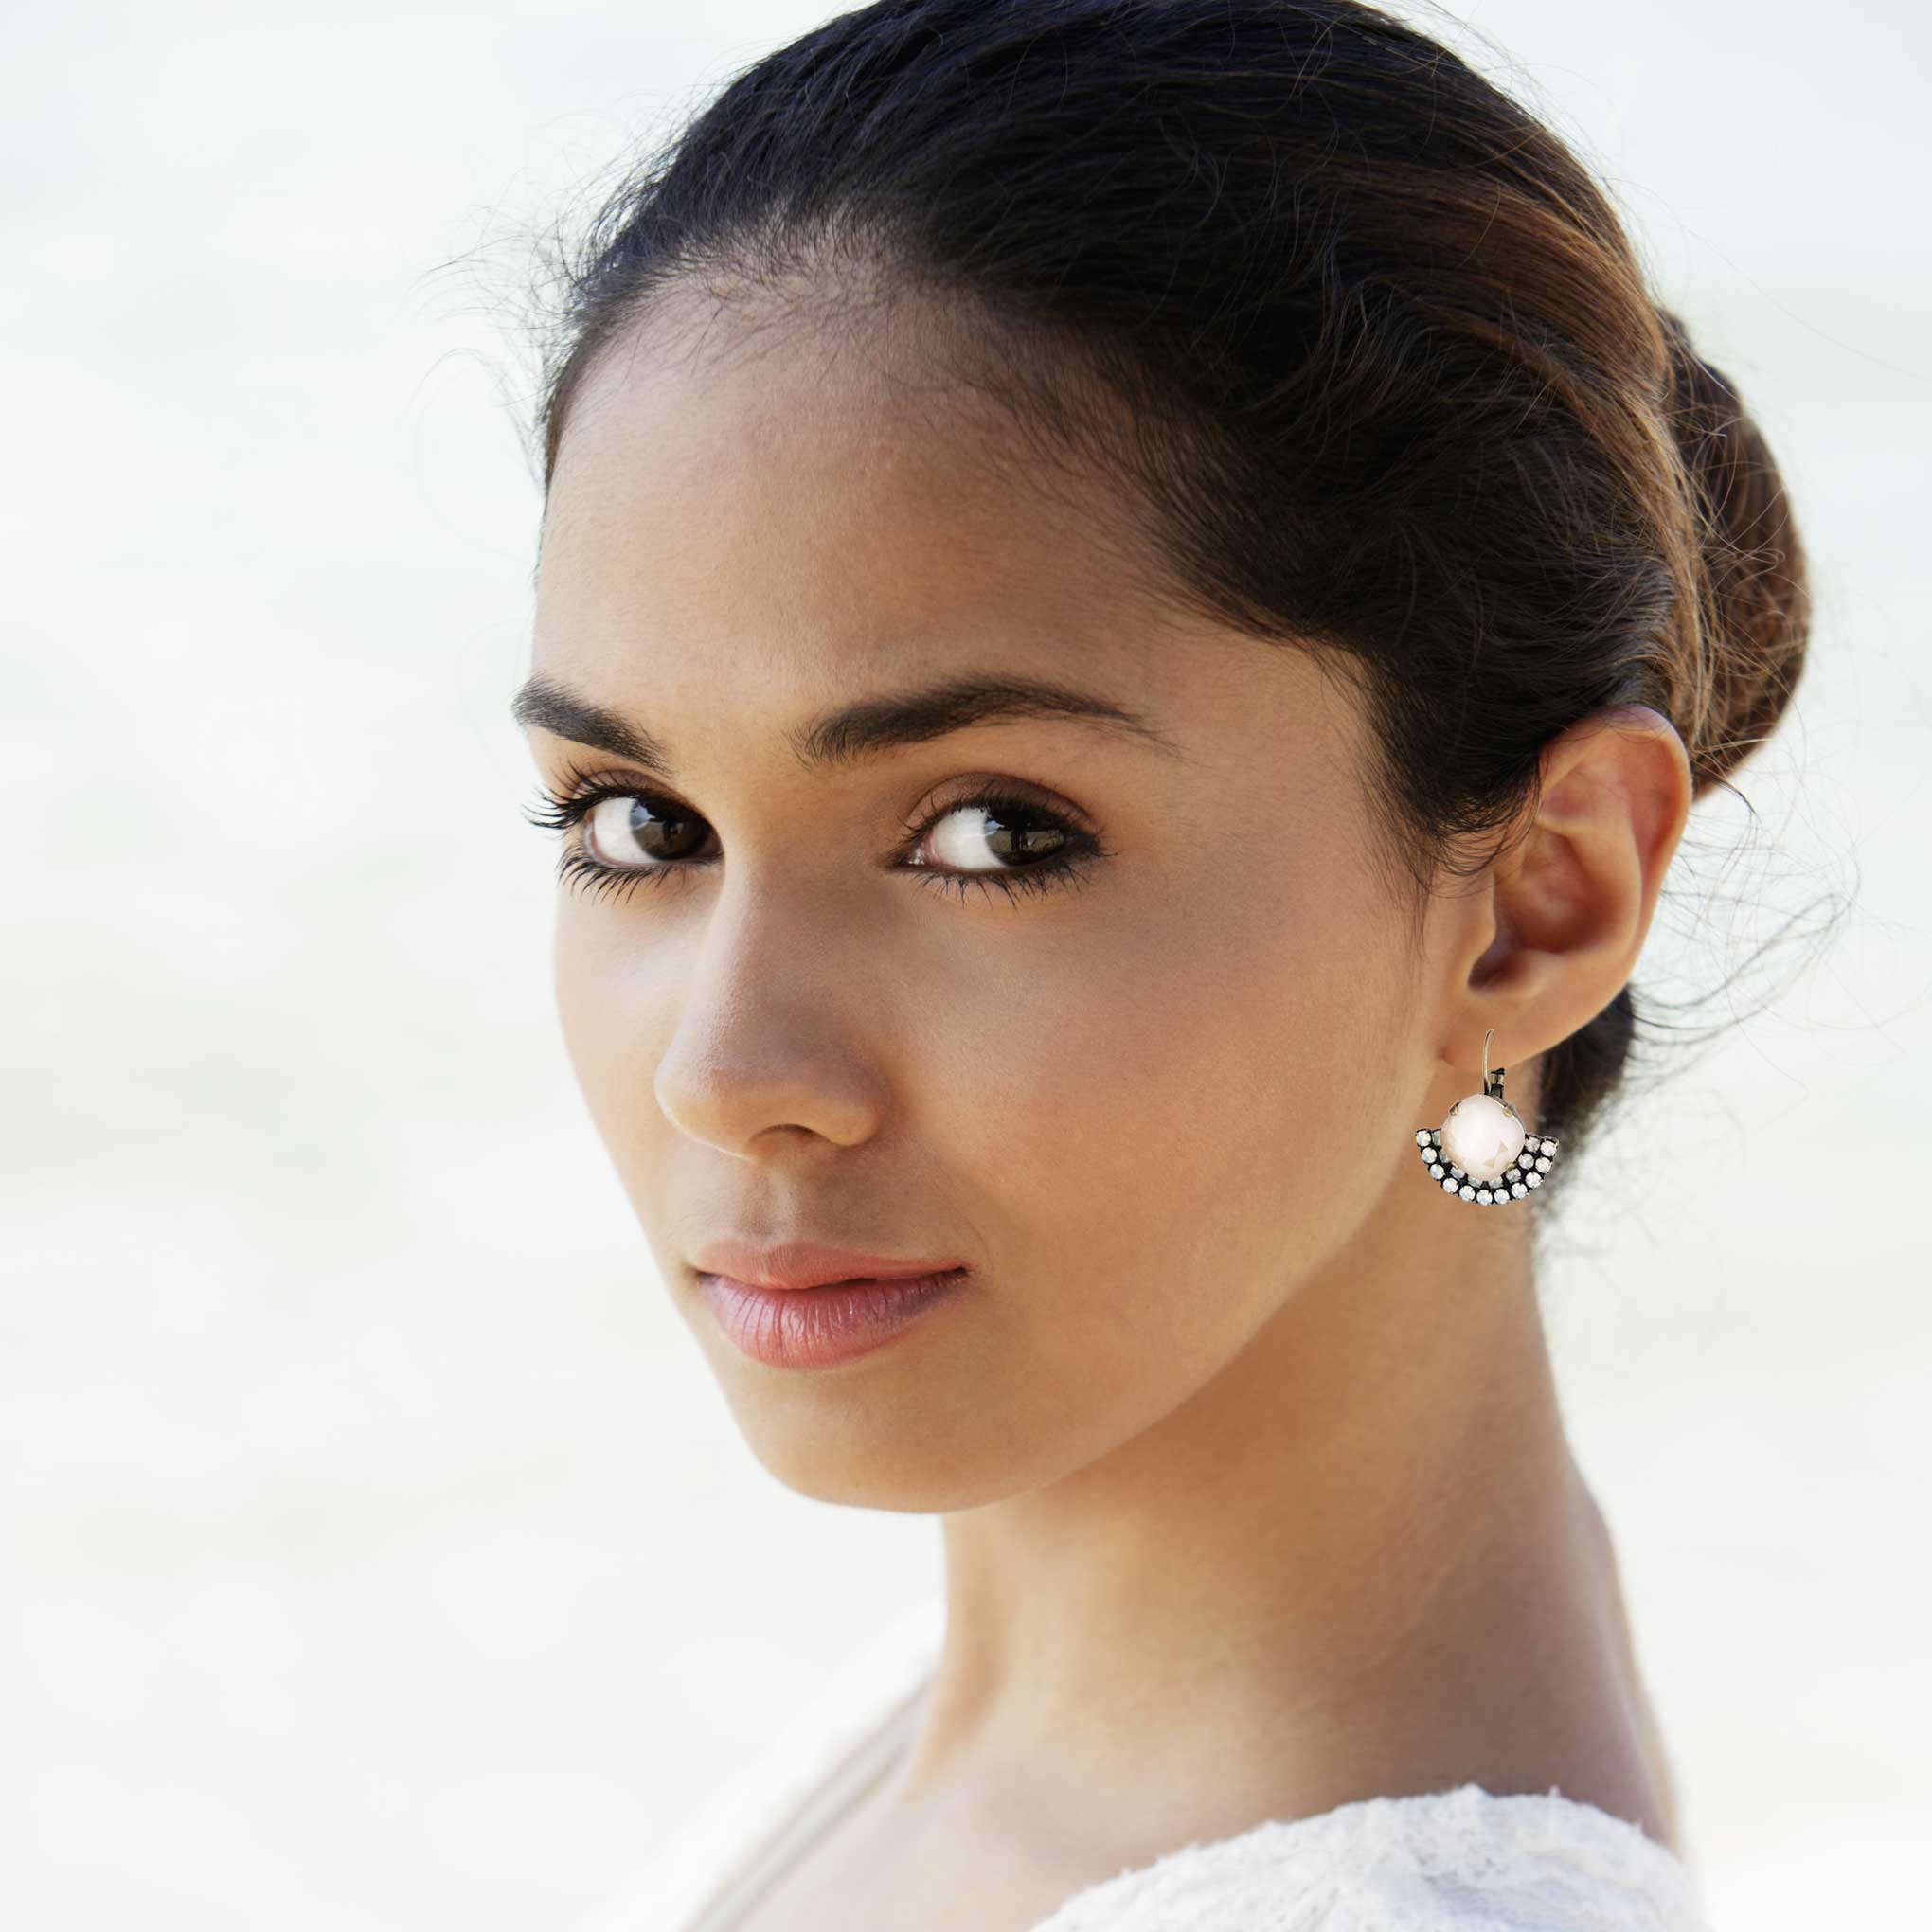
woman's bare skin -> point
(1253, 1487)
(1554, 1698)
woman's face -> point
(1147, 1095)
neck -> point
(1360, 1562)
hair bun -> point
(1755, 603)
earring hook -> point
(1492, 1079)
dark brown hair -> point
(1362, 340)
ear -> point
(1570, 902)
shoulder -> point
(1466, 1860)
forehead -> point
(775, 495)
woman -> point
(1204, 485)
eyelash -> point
(561, 811)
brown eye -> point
(631, 838)
(1010, 833)
(625, 830)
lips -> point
(817, 1327)
(811, 1264)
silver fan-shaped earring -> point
(1481, 1152)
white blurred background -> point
(379, 1554)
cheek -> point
(1178, 1123)
(604, 1008)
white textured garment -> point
(1463, 1860)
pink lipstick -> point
(815, 1323)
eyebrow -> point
(853, 732)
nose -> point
(771, 1042)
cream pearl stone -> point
(1482, 1136)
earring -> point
(1480, 1153)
